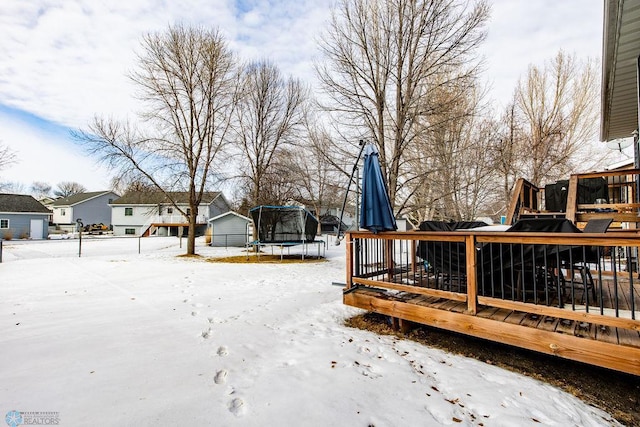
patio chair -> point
(591, 256)
(446, 260)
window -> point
(63, 212)
(128, 212)
(169, 210)
(4, 223)
(129, 231)
(188, 211)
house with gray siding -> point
(91, 208)
(230, 229)
(145, 213)
(23, 217)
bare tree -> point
(385, 61)
(40, 189)
(7, 156)
(69, 188)
(317, 181)
(124, 184)
(14, 187)
(188, 81)
(269, 119)
(556, 107)
(278, 187)
(508, 148)
(449, 168)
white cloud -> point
(67, 60)
(252, 19)
(47, 156)
(524, 32)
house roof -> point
(215, 218)
(159, 198)
(79, 198)
(620, 50)
(14, 203)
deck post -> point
(349, 250)
(472, 290)
(572, 198)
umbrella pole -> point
(346, 194)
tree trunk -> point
(191, 237)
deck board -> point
(487, 312)
(500, 315)
(607, 334)
(628, 337)
(548, 323)
(566, 326)
(545, 323)
(516, 317)
(531, 320)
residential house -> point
(91, 208)
(22, 217)
(47, 202)
(143, 213)
(230, 229)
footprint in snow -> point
(237, 407)
(194, 313)
(223, 350)
(221, 377)
(206, 334)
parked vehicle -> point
(96, 228)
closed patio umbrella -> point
(375, 210)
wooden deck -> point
(577, 328)
(606, 333)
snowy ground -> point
(118, 338)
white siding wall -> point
(58, 218)
(140, 215)
(120, 221)
(120, 230)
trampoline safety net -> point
(284, 224)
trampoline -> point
(285, 227)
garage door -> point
(36, 228)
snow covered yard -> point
(153, 339)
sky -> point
(64, 62)
(119, 338)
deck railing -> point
(615, 197)
(175, 219)
(587, 277)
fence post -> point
(472, 290)
(0, 250)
